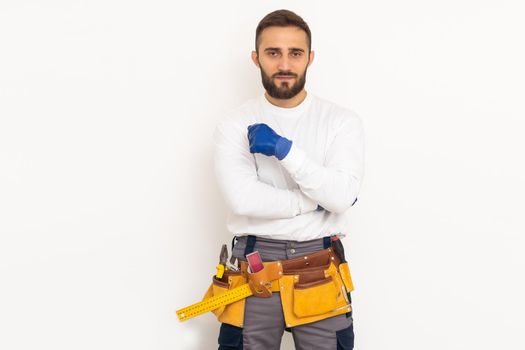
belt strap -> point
(327, 243)
(250, 244)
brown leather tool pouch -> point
(310, 262)
(312, 288)
(261, 281)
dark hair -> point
(282, 18)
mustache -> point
(284, 74)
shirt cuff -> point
(294, 159)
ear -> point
(312, 55)
(254, 58)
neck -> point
(288, 103)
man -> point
(289, 165)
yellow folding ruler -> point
(214, 302)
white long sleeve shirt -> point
(278, 199)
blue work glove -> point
(264, 140)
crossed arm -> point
(333, 185)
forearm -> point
(243, 192)
(259, 200)
(334, 189)
(335, 183)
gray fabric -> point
(320, 335)
(263, 318)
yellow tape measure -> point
(214, 302)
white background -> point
(110, 217)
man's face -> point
(283, 60)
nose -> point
(284, 63)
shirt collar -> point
(286, 112)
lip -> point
(284, 78)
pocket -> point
(345, 338)
(230, 280)
(344, 271)
(233, 313)
(230, 337)
(218, 287)
(315, 298)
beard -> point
(285, 91)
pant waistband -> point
(275, 249)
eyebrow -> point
(279, 49)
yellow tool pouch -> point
(344, 271)
(312, 287)
(232, 313)
(313, 300)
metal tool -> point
(223, 257)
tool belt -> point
(313, 287)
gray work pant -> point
(264, 322)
